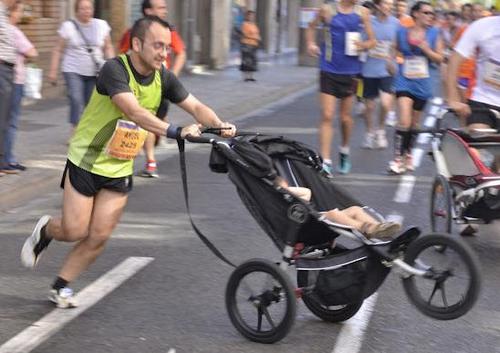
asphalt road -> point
(176, 302)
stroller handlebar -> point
(199, 139)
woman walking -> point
(83, 44)
(250, 39)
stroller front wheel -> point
(451, 283)
(441, 214)
(260, 301)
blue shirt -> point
(339, 63)
(385, 34)
(419, 87)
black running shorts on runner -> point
(418, 103)
(373, 85)
(339, 86)
(89, 184)
(483, 117)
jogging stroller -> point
(466, 189)
(336, 266)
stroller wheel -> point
(441, 207)
(336, 313)
(260, 300)
(452, 281)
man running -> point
(377, 79)
(98, 173)
(158, 8)
(339, 66)
(482, 38)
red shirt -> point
(177, 45)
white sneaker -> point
(397, 166)
(369, 141)
(409, 162)
(381, 140)
(31, 251)
(391, 119)
(63, 298)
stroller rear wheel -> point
(336, 313)
(452, 280)
(260, 300)
(441, 207)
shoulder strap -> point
(87, 43)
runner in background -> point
(377, 77)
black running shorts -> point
(483, 117)
(418, 103)
(339, 86)
(89, 184)
(373, 85)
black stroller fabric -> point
(252, 163)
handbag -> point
(33, 82)
(89, 48)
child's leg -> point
(358, 214)
(342, 217)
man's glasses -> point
(159, 46)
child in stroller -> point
(353, 216)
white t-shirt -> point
(483, 37)
(76, 57)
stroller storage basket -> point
(346, 278)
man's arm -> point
(205, 116)
(128, 104)
(323, 16)
(454, 98)
(367, 24)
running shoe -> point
(328, 168)
(391, 119)
(369, 141)
(64, 298)
(35, 244)
(345, 163)
(397, 166)
(149, 171)
(380, 140)
(409, 162)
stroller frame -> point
(357, 264)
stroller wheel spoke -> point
(259, 319)
(443, 295)
(269, 318)
(434, 290)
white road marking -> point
(430, 121)
(48, 325)
(434, 110)
(423, 138)
(405, 188)
(417, 153)
(350, 338)
(437, 101)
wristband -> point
(174, 132)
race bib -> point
(381, 51)
(416, 67)
(127, 140)
(492, 73)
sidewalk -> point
(44, 130)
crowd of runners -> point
(400, 56)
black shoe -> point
(18, 166)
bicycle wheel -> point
(261, 302)
(452, 281)
(329, 313)
(441, 208)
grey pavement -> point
(44, 129)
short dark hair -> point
(453, 13)
(146, 4)
(464, 6)
(418, 6)
(141, 26)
